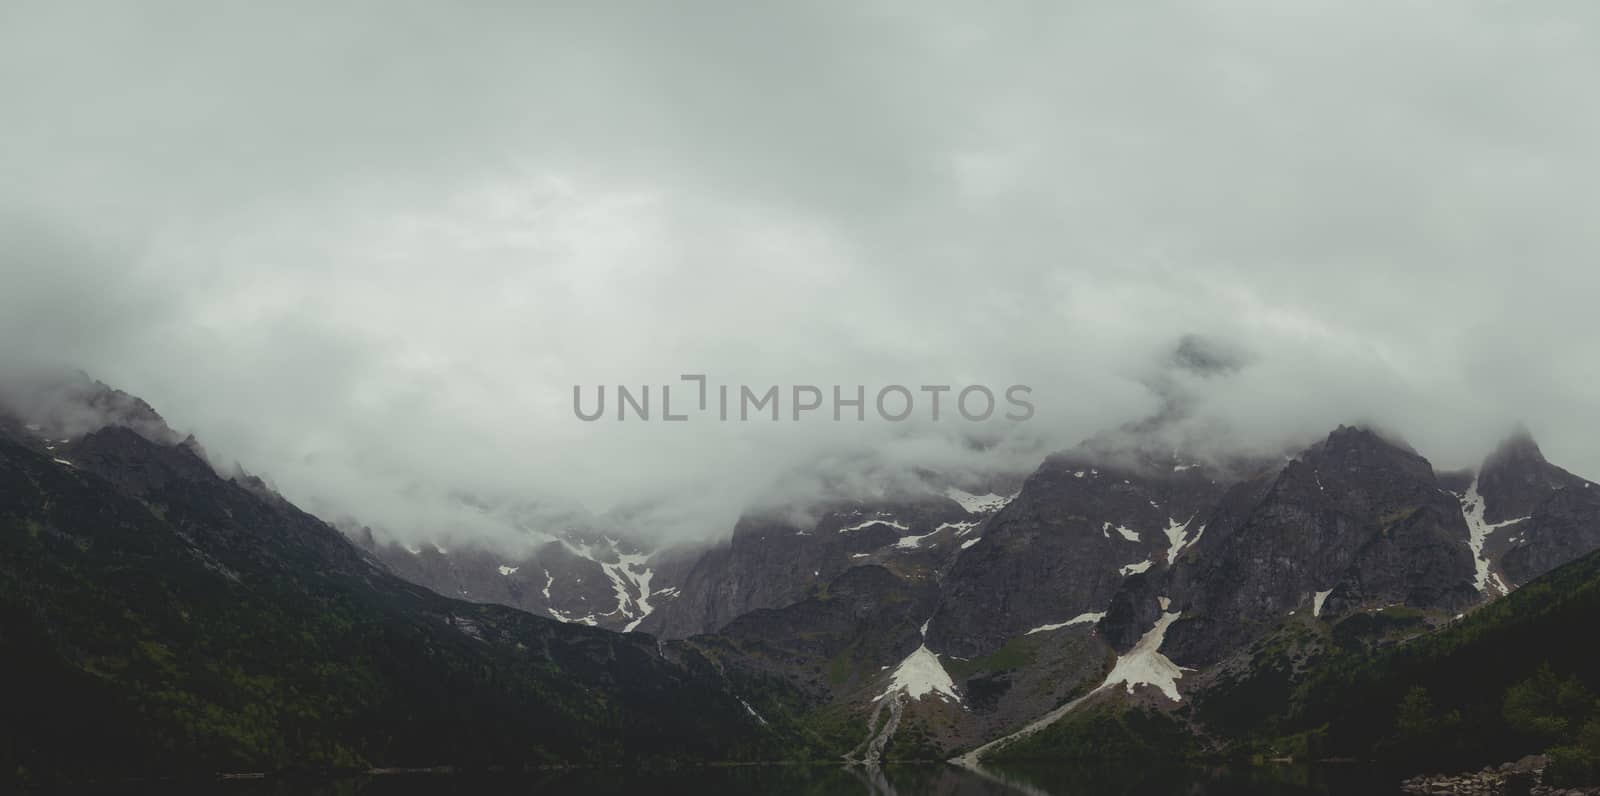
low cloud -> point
(367, 252)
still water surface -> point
(898, 780)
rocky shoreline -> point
(1522, 778)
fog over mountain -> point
(369, 257)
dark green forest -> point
(188, 624)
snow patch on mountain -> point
(899, 526)
(978, 504)
(921, 675)
(1134, 569)
(628, 573)
(1317, 600)
(1145, 665)
(1478, 532)
(912, 542)
(1080, 619)
(1176, 532)
(562, 616)
(641, 578)
(962, 528)
(1127, 533)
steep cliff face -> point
(1077, 531)
(773, 560)
(1565, 526)
(1532, 515)
(1355, 521)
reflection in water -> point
(826, 780)
(1063, 780)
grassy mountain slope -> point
(155, 618)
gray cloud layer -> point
(367, 249)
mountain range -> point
(1121, 599)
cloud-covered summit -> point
(368, 249)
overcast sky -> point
(366, 250)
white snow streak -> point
(641, 578)
(1134, 569)
(1478, 530)
(1127, 533)
(912, 542)
(564, 617)
(891, 523)
(508, 571)
(1080, 619)
(752, 711)
(978, 504)
(1175, 535)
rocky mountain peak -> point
(1346, 439)
(1356, 521)
(1515, 478)
(1365, 457)
(1518, 451)
(68, 405)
